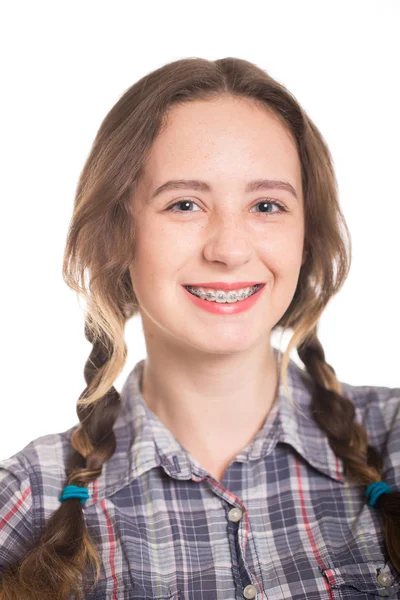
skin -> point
(212, 379)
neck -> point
(214, 407)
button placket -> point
(235, 515)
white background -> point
(64, 65)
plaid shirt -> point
(283, 524)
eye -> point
(265, 203)
(270, 202)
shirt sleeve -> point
(16, 511)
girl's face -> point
(219, 230)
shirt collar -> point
(144, 442)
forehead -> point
(223, 139)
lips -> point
(226, 308)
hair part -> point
(60, 561)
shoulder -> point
(378, 410)
(377, 407)
(30, 482)
(16, 509)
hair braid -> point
(94, 439)
(55, 566)
(334, 413)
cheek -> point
(158, 253)
(283, 254)
(282, 257)
(168, 244)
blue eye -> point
(281, 208)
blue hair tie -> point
(74, 491)
(374, 490)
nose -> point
(229, 243)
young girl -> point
(223, 470)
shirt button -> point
(249, 592)
(385, 579)
(235, 514)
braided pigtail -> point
(334, 413)
(54, 568)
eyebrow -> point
(202, 186)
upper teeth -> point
(220, 295)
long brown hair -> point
(100, 248)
